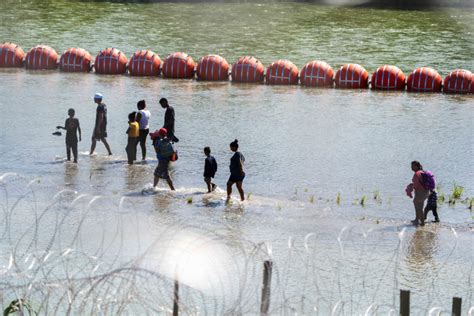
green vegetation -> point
(441, 195)
(338, 198)
(377, 196)
(19, 307)
(362, 200)
(457, 191)
(311, 199)
(189, 200)
(249, 196)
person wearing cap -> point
(100, 127)
(169, 120)
(164, 150)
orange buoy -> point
(424, 79)
(110, 61)
(352, 76)
(459, 81)
(388, 78)
(212, 68)
(144, 63)
(75, 60)
(179, 66)
(248, 69)
(282, 72)
(41, 57)
(11, 55)
(317, 74)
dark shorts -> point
(236, 177)
(99, 136)
(143, 134)
(161, 170)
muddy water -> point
(303, 148)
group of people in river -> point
(163, 141)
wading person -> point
(421, 193)
(100, 127)
(143, 123)
(169, 120)
(210, 168)
(133, 135)
(72, 127)
(432, 205)
(164, 150)
(237, 173)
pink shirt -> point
(417, 181)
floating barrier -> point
(11, 55)
(424, 79)
(282, 72)
(144, 63)
(459, 81)
(41, 57)
(317, 74)
(248, 69)
(352, 76)
(388, 78)
(212, 68)
(179, 66)
(75, 60)
(110, 61)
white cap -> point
(98, 96)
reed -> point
(362, 200)
(338, 198)
(457, 191)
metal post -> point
(267, 282)
(176, 298)
(457, 303)
(404, 303)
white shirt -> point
(144, 120)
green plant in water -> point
(457, 191)
(451, 200)
(19, 306)
(249, 196)
(362, 200)
(311, 199)
(338, 198)
(441, 197)
(471, 204)
(189, 200)
(377, 195)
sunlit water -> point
(303, 147)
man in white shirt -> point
(143, 124)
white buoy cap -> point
(98, 96)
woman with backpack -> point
(421, 192)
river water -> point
(326, 169)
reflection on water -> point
(304, 147)
(422, 248)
